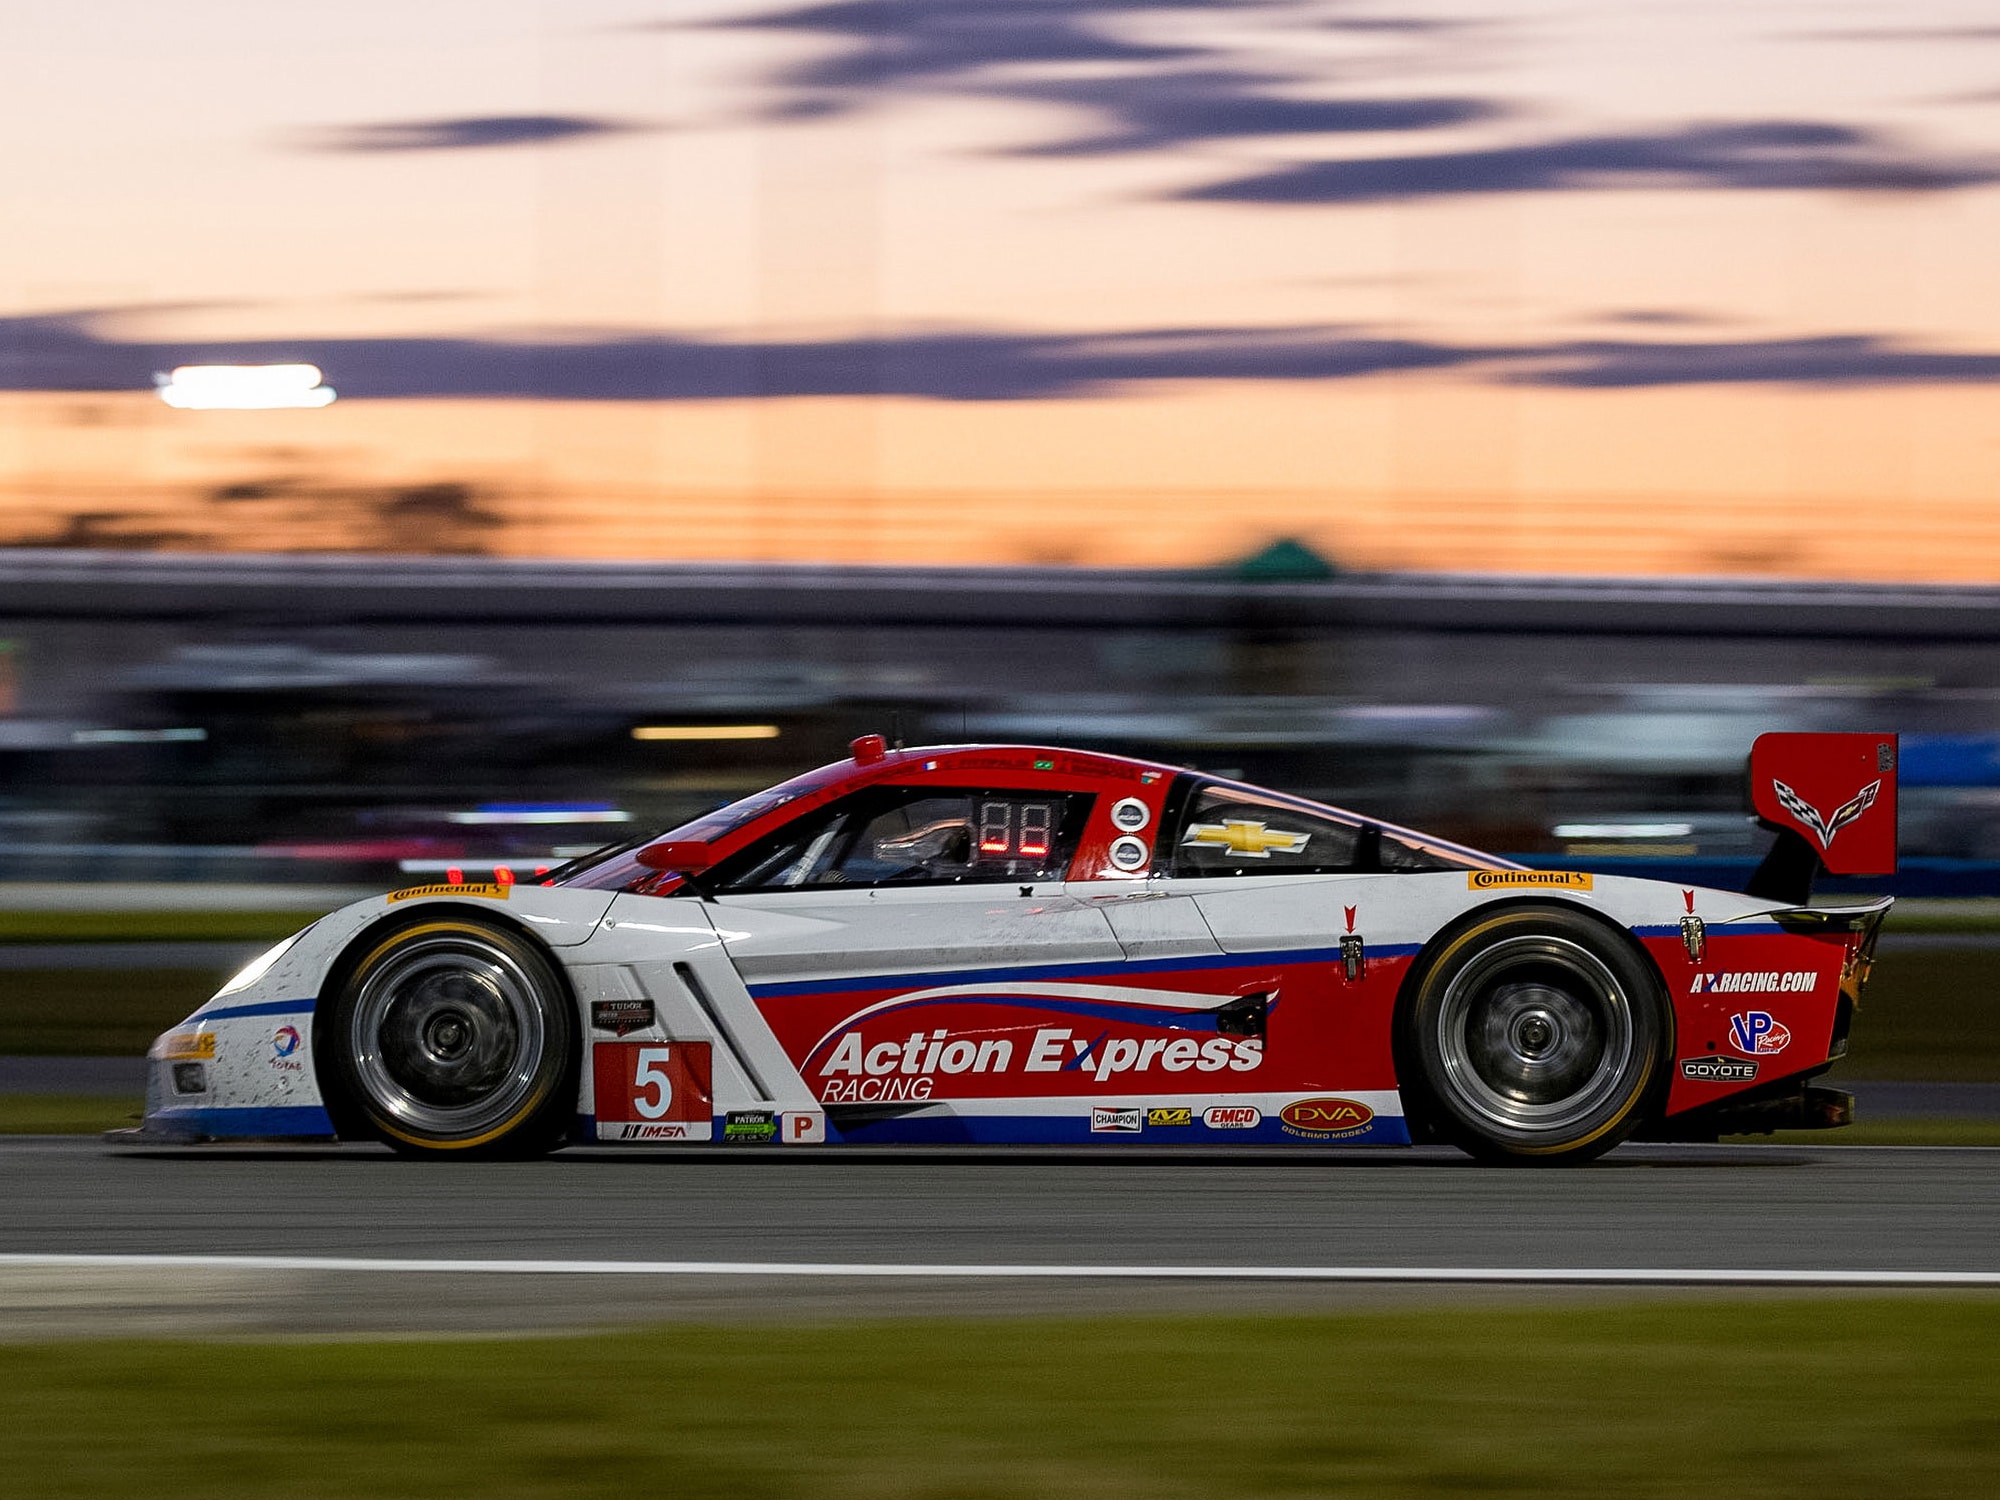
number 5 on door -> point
(652, 1091)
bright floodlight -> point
(243, 387)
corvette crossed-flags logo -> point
(1824, 828)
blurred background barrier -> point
(277, 720)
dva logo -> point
(1326, 1116)
(1758, 1033)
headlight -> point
(257, 968)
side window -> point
(1228, 831)
(910, 835)
(1400, 854)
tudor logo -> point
(1824, 828)
(1326, 1117)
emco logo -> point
(1328, 1117)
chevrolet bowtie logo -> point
(1241, 836)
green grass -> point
(151, 926)
(1933, 1014)
(95, 1012)
(1775, 1399)
(66, 1114)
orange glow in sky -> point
(1629, 287)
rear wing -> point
(1831, 798)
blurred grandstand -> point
(377, 720)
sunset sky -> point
(1624, 286)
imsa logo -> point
(1325, 1119)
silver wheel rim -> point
(1536, 1035)
(448, 1036)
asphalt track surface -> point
(1703, 1210)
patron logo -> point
(1180, 1116)
(1758, 1033)
(753, 1127)
(1105, 1120)
(1499, 880)
(621, 1017)
(1718, 1070)
(1825, 827)
(1326, 1118)
(1755, 982)
(1232, 1116)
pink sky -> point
(1646, 286)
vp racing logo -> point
(1757, 1033)
(1823, 827)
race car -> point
(1012, 944)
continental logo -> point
(188, 1046)
(486, 891)
(1325, 1119)
(1500, 880)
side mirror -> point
(685, 855)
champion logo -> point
(1822, 827)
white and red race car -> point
(1011, 944)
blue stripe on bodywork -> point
(248, 1120)
(1109, 969)
(257, 1008)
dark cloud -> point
(1831, 360)
(1148, 110)
(1146, 94)
(1767, 154)
(68, 353)
(465, 133)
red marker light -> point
(454, 876)
(869, 749)
(503, 874)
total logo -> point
(1757, 1033)
(284, 1047)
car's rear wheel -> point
(1536, 1036)
(452, 1035)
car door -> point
(904, 946)
(1291, 892)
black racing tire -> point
(1536, 1036)
(450, 1035)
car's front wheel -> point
(1536, 1036)
(452, 1035)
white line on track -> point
(1551, 1275)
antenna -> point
(895, 729)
